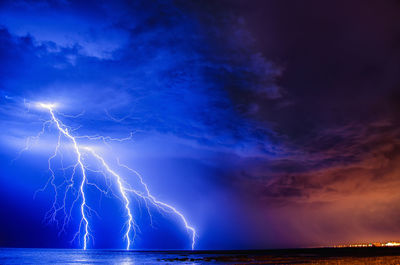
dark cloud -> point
(291, 106)
(157, 69)
(339, 63)
(336, 118)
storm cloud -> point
(287, 111)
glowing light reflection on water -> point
(71, 256)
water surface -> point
(290, 256)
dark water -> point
(293, 256)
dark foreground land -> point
(370, 255)
(365, 255)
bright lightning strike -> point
(64, 130)
(79, 185)
(123, 191)
(147, 195)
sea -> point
(373, 255)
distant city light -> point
(363, 245)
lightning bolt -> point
(147, 196)
(126, 191)
(123, 192)
(64, 130)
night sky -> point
(268, 124)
